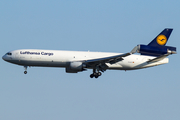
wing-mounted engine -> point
(155, 51)
(75, 67)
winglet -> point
(134, 50)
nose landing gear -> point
(25, 67)
(25, 72)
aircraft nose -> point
(5, 57)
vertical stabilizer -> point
(161, 39)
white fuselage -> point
(58, 58)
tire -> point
(99, 73)
(96, 76)
(25, 72)
(91, 76)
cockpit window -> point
(9, 53)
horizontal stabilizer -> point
(161, 57)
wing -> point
(111, 59)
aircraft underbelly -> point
(136, 63)
(43, 63)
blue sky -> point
(96, 25)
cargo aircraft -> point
(150, 55)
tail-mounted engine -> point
(155, 51)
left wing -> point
(111, 59)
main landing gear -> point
(96, 71)
(96, 75)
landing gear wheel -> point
(96, 76)
(25, 67)
(92, 75)
(25, 72)
(99, 73)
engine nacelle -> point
(75, 67)
(155, 51)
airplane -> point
(150, 55)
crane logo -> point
(161, 39)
